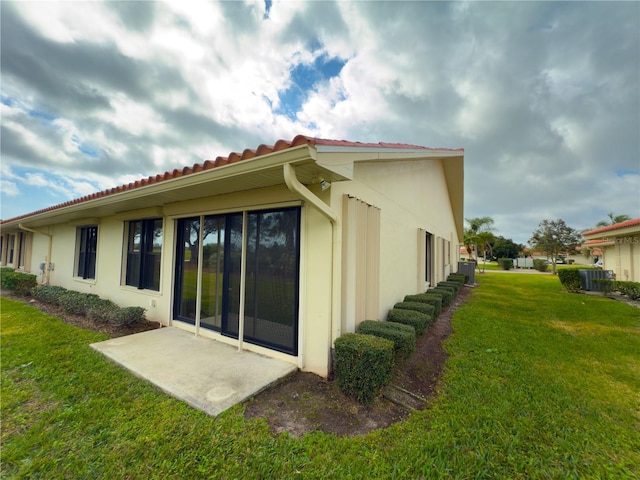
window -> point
(24, 250)
(428, 265)
(86, 246)
(12, 245)
(144, 248)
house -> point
(277, 250)
(620, 246)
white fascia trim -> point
(384, 151)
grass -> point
(494, 266)
(540, 384)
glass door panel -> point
(213, 260)
(187, 269)
(231, 281)
(271, 295)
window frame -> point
(147, 259)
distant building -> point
(620, 246)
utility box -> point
(587, 278)
(468, 269)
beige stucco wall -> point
(624, 258)
(411, 195)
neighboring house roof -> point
(313, 156)
(597, 242)
(605, 236)
(611, 228)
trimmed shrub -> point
(7, 278)
(19, 282)
(422, 298)
(505, 263)
(48, 294)
(447, 295)
(434, 300)
(78, 303)
(446, 287)
(103, 311)
(419, 321)
(364, 365)
(454, 285)
(540, 264)
(416, 306)
(458, 277)
(403, 336)
(630, 289)
(570, 279)
(129, 316)
(96, 309)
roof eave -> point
(117, 202)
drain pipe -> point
(47, 260)
(307, 195)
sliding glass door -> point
(271, 298)
(209, 275)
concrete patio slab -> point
(208, 375)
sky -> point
(543, 96)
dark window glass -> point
(232, 269)
(212, 272)
(12, 246)
(271, 295)
(428, 256)
(87, 247)
(187, 269)
(144, 247)
(213, 245)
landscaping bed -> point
(305, 402)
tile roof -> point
(616, 226)
(233, 157)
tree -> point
(506, 248)
(478, 234)
(553, 238)
(613, 219)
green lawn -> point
(494, 266)
(540, 384)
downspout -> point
(294, 185)
(47, 260)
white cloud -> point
(9, 188)
(544, 97)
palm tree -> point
(613, 219)
(477, 233)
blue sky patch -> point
(625, 171)
(7, 101)
(84, 148)
(40, 115)
(304, 78)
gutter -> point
(294, 185)
(47, 260)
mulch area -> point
(306, 402)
